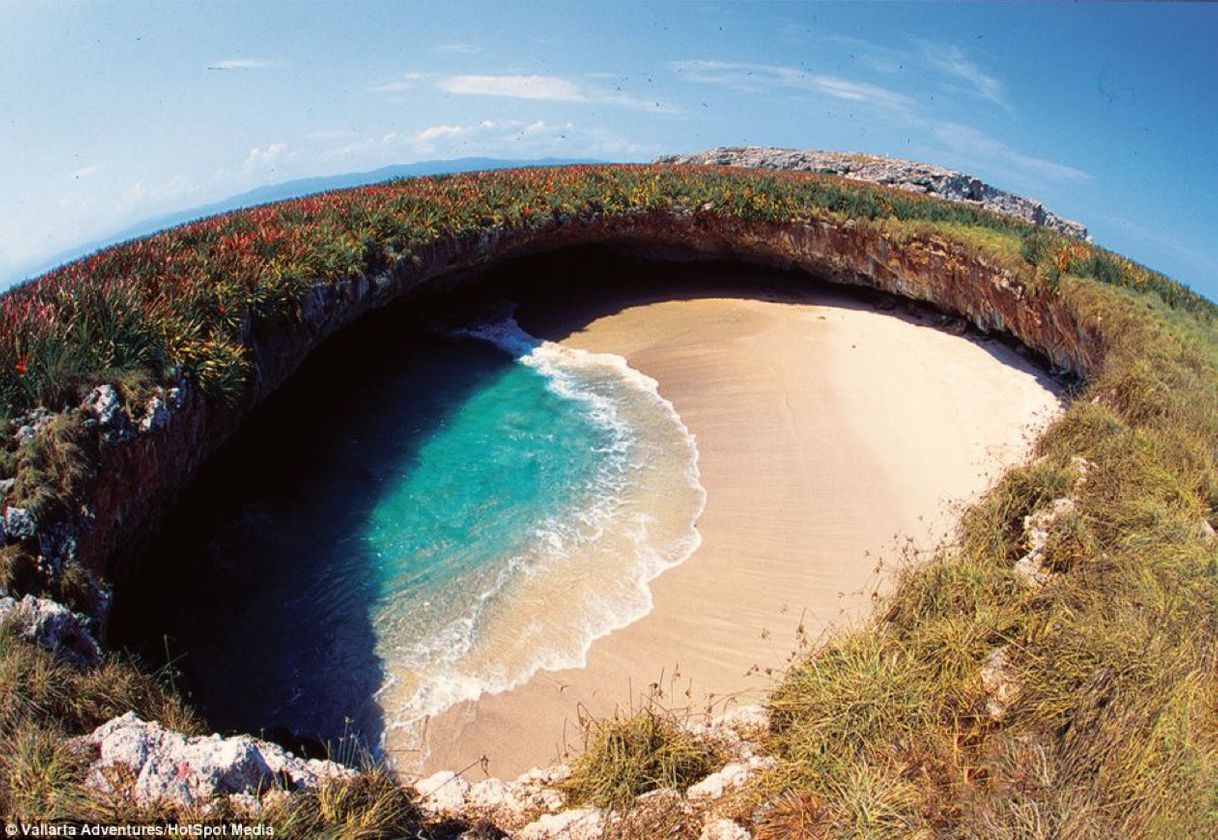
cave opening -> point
(256, 592)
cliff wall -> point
(146, 453)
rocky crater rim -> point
(911, 176)
(147, 453)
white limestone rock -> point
(443, 793)
(716, 784)
(168, 767)
(53, 626)
(497, 800)
(19, 525)
(1036, 528)
(156, 415)
(534, 788)
(724, 830)
(575, 824)
(999, 685)
(894, 172)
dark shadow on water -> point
(260, 587)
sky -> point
(111, 113)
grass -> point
(1113, 725)
(44, 702)
(628, 755)
(1114, 730)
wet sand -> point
(835, 441)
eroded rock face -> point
(154, 765)
(53, 626)
(891, 172)
(147, 453)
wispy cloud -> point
(754, 78)
(457, 49)
(551, 88)
(406, 82)
(514, 137)
(545, 88)
(84, 172)
(242, 64)
(952, 61)
(970, 148)
(976, 145)
(939, 59)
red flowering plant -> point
(182, 302)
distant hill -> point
(277, 192)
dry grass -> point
(628, 755)
(1114, 729)
(1113, 726)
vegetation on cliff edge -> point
(1110, 725)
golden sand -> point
(833, 438)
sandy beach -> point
(834, 440)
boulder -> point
(575, 824)
(53, 626)
(716, 784)
(497, 800)
(156, 415)
(104, 404)
(1036, 528)
(19, 525)
(443, 793)
(105, 408)
(158, 766)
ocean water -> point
(413, 523)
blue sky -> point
(112, 113)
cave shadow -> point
(559, 293)
(258, 589)
(229, 593)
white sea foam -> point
(427, 676)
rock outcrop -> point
(533, 805)
(52, 626)
(891, 172)
(157, 766)
(142, 453)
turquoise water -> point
(511, 456)
(411, 523)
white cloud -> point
(976, 145)
(84, 172)
(457, 49)
(406, 82)
(754, 78)
(539, 87)
(509, 138)
(242, 64)
(951, 60)
(259, 158)
(550, 88)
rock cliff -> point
(146, 453)
(891, 172)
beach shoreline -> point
(835, 440)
